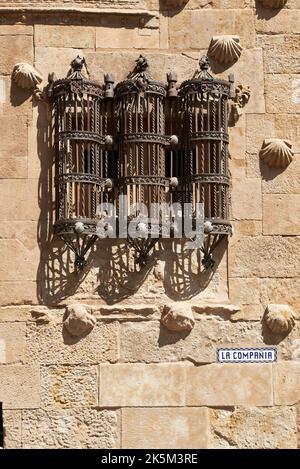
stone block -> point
(282, 93)
(126, 38)
(244, 291)
(284, 22)
(19, 200)
(243, 206)
(142, 385)
(280, 290)
(18, 293)
(14, 49)
(82, 37)
(12, 342)
(281, 214)
(288, 127)
(70, 429)
(16, 29)
(57, 60)
(14, 140)
(265, 256)
(12, 429)
(281, 53)
(194, 29)
(245, 228)
(20, 264)
(151, 343)
(287, 383)
(51, 344)
(253, 428)
(13, 168)
(278, 181)
(65, 387)
(20, 386)
(258, 127)
(229, 384)
(188, 429)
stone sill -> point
(79, 10)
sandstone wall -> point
(121, 384)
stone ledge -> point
(79, 10)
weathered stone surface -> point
(149, 342)
(66, 428)
(245, 228)
(287, 383)
(65, 387)
(17, 293)
(237, 141)
(127, 38)
(12, 429)
(14, 140)
(12, 342)
(57, 59)
(265, 256)
(253, 428)
(278, 290)
(279, 318)
(279, 181)
(14, 49)
(282, 93)
(258, 127)
(78, 321)
(21, 265)
(48, 344)
(125, 311)
(189, 428)
(20, 386)
(281, 214)
(178, 317)
(243, 206)
(19, 200)
(229, 384)
(288, 127)
(16, 29)
(64, 36)
(244, 290)
(186, 33)
(15, 168)
(281, 53)
(140, 385)
(286, 21)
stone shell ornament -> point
(178, 317)
(26, 76)
(78, 320)
(279, 318)
(225, 49)
(273, 3)
(276, 153)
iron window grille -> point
(148, 141)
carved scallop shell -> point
(78, 321)
(276, 153)
(26, 76)
(279, 318)
(273, 3)
(225, 49)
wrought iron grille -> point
(151, 143)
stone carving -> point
(178, 317)
(279, 318)
(26, 76)
(225, 49)
(78, 320)
(276, 153)
(242, 96)
(273, 3)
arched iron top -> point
(203, 81)
(140, 81)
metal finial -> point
(78, 63)
(204, 63)
(141, 63)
